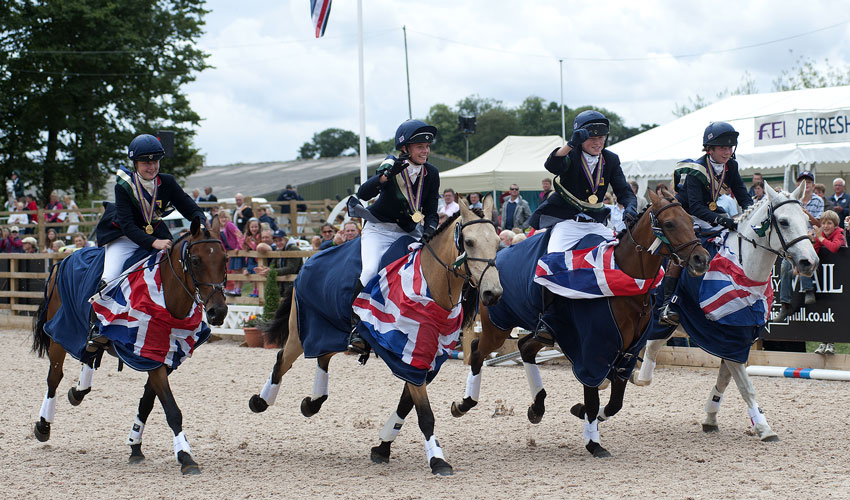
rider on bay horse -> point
(407, 188)
(142, 198)
(697, 189)
(584, 170)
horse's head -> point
(477, 238)
(674, 228)
(787, 219)
(205, 261)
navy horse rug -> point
(585, 329)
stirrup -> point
(96, 340)
(667, 316)
(543, 334)
(358, 344)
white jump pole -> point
(789, 372)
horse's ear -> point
(653, 198)
(463, 202)
(196, 226)
(798, 193)
(769, 190)
(465, 212)
(487, 205)
(216, 224)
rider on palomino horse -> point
(407, 188)
(142, 198)
(697, 189)
(584, 169)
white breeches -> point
(375, 239)
(117, 252)
(567, 233)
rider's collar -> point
(590, 159)
(413, 170)
(717, 167)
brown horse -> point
(665, 226)
(193, 273)
(446, 274)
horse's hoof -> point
(578, 410)
(440, 467)
(456, 411)
(257, 404)
(533, 416)
(188, 466)
(136, 455)
(305, 407)
(710, 428)
(634, 378)
(769, 437)
(41, 430)
(597, 450)
(381, 453)
(75, 397)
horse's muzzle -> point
(216, 314)
(698, 262)
(806, 267)
(489, 297)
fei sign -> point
(802, 127)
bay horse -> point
(194, 272)
(461, 252)
(663, 230)
(776, 226)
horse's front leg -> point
(56, 355)
(590, 432)
(712, 406)
(292, 348)
(135, 438)
(490, 340)
(528, 349)
(381, 453)
(158, 379)
(647, 367)
(312, 404)
(433, 451)
(76, 394)
(748, 392)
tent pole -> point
(362, 92)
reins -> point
(184, 259)
(769, 232)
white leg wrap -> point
(86, 374)
(135, 436)
(473, 385)
(391, 428)
(601, 416)
(532, 374)
(432, 449)
(48, 408)
(647, 368)
(269, 392)
(756, 416)
(320, 383)
(590, 432)
(714, 400)
(181, 444)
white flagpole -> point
(362, 92)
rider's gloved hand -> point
(428, 233)
(578, 137)
(726, 222)
(399, 164)
(630, 215)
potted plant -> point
(271, 301)
(253, 335)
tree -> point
(81, 78)
(330, 142)
(747, 86)
(807, 74)
(536, 119)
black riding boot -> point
(95, 339)
(356, 343)
(543, 333)
(666, 315)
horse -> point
(451, 260)
(193, 272)
(663, 230)
(775, 226)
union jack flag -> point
(590, 273)
(133, 315)
(320, 10)
(727, 296)
(397, 309)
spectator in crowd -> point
(475, 200)
(350, 230)
(80, 240)
(253, 237)
(55, 205)
(74, 216)
(196, 195)
(813, 206)
(316, 242)
(56, 247)
(820, 190)
(517, 238)
(507, 237)
(840, 200)
(31, 205)
(17, 184)
(616, 220)
(727, 202)
(441, 218)
(210, 197)
(51, 236)
(828, 238)
(30, 244)
(18, 217)
(451, 207)
(546, 186)
(757, 177)
(641, 200)
(515, 210)
(232, 239)
(263, 215)
(11, 242)
(758, 191)
(327, 232)
(288, 194)
(279, 238)
(243, 213)
(290, 265)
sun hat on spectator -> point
(29, 239)
(14, 229)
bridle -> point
(184, 260)
(661, 237)
(765, 229)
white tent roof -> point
(516, 160)
(654, 153)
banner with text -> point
(803, 127)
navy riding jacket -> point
(695, 195)
(391, 205)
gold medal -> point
(712, 206)
(417, 216)
(592, 199)
(149, 229)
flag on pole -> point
(320, 10)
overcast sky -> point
(273, 84)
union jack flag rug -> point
(590, 273)
(134, 317)
(407, 329)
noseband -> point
(463, 259)
(184, 259)
(772, 223)
(661, 237)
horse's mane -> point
(746, 214)
(447, 223)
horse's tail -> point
(40, 339)
(276, 331)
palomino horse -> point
(665, 227)
(194, 273)
(775, 226)
(445, 270)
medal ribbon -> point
(146, 206)
(715, 185)
(593, 179)
(413, 199)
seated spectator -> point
(11, 242)
(263, 212)
(507, 237)
(475, 200)
(451, 206)
(517, 238)
(828, 238)
(758, 191)
(30, 244)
